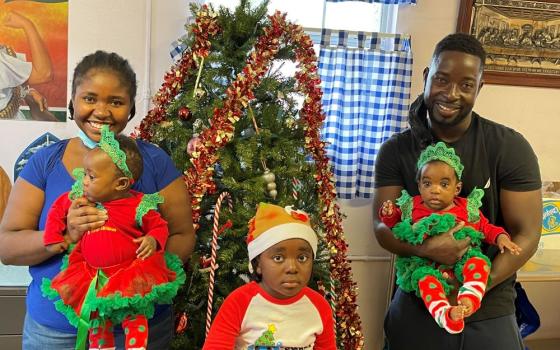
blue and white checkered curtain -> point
(366, 90)
(385, 2)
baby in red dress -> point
(117, 273)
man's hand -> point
(503, 241)
(148, 245)
(444, 248)
(83, 216)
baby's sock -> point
(437, 304)
(102, 338)
(135, 332)
(475, 275)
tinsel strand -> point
(199, 176)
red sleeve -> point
(391, 220)
(491, 232)
(154, 225)
(327, 339)
(227, 324)
(56, 221)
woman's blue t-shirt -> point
(46, 171)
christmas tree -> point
(235, 124)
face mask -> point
(89, 143)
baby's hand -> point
(57, 248)
(503, 241)
(148, 245)
(387, 208)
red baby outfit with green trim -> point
(425, 277)
(104, 264)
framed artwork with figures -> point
(33, 60)
(521, 39)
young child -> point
(276, 310)
(117, 273)
(437, 209)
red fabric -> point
(325, 340)
(135, 332)
(128, 280)
(391, 220)
(436, 301)
(102, 337)
(139, 277)
(113, 243)
(227, 326)
(475, 270)
(56, 221)
(72, 283)
(491, 232)
(112, 250)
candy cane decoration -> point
(296, 186)
(214, 247)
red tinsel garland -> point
(221, 131)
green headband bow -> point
(441, 152)
(110, 145)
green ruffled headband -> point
(110, 145)
(441, 152)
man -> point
(498, 160)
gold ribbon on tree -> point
(221, 131)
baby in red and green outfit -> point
(117, 273)
(436, 210)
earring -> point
(71, 110)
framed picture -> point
(33, 38)
(521, 39)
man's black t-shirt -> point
(495, 157)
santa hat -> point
(273, 224)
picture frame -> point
(521, 39)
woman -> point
(103, 92)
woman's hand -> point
(83, 216)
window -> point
(314, 15)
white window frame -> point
(387, 17)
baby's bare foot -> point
(467, 305)
(457, 313)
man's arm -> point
(522, 213)
(443, 248)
